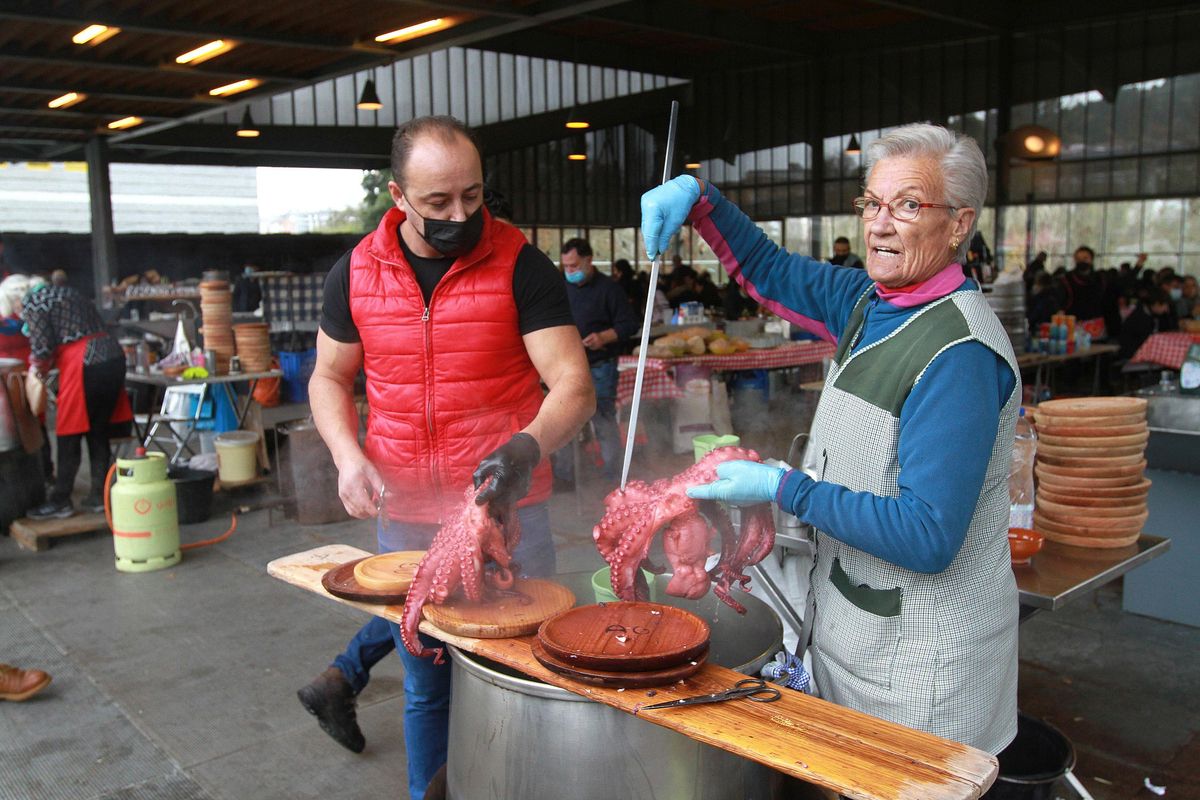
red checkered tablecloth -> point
(1167, 349)
(659, 382)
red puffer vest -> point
(447, 384)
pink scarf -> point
(916, 294)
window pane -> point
(1191, 225)
(1087, 221)
(1163, 226)
(1184, 175)
(1123, 228)
(797, 234)
(1185, 122)
(1050, 228)
(1127, 114)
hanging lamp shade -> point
(852, 149)
(576, 122)
(577, 148)
(369, 99)
(247, 129)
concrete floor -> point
(180, 684)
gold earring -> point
(954, 244)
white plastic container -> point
(237, 459)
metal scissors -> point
(754, 689)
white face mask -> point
(1176, 293)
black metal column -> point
(104, 244)
(1004, 72)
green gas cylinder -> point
(144, 518)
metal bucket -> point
(514, 736)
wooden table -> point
(1060, 573)
(1044, 364)
(846, 751)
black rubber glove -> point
(511, 469)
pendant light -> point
(577, 148)
(247, 130)
(576, 122)
(853, 149)
(369, 100)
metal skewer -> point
(649, 315)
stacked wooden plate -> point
(253, 345)
(216, 313)
(1091, 470)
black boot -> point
(330, 699)
(52, 509)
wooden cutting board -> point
(389, 572)
(614, 680)
(845, 751)
(509, 615)
(339, 581)
(1093, 406)
(625, 636)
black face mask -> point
(1083, 266)
(450, 238)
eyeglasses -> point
(902, 208)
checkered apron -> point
(934, 652)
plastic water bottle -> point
(1020, 475)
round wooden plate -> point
(1093, 406)
(1066, 509)
(1089, 432)
(1063, 486)
(1080, 483)
(339, 582)
(1042, 525)
(1074, 519)
(618, 680)
(625, 637)
(1095, 441)
(1091, 541)
(518, 613)
(1046, 419)
(1105, 471)
(1107, 461)
(389, 572)
(1091, 452)
(1089, 500)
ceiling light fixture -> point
(369, 99)
(577, 148)
(1033, 143)
(67, 100)
(205, 51)
(95, 34)
(852, 149)
(413, 31)
(576, 123)
(243, 85)
(247, 129)
(126, 122)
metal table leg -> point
(776, 594)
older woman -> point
(905, 478)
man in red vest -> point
(456, 321)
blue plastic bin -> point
(297, 369)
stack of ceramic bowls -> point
(253, 346)
(216, 312)
(1090, 470)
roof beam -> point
(64, 113)
(33, 87)
(144, 24)
(967, 18)
(694, 21)
(92, 63)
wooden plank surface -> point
(35, 534)
(846, 751)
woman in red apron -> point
(65, 331)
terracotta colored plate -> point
(340, 582)
(1066, 509)
(1076, 483)
(389, 572)
(1075, 519)
(1091, 452)
(1090, 431)
(1095, 441)
(1043, 525)
(1106, 461)
(1046, 419)
(518, 613)
(1087, 499)
(618, 680)
(1093, 406)
(1098, 471)
(1090, 541)
(625, 637)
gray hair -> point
(964, 170)
(12, 290)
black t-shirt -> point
(538, 289)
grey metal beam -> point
(91, 62)
(149, 24)
(91, 90)
(710, 25)
(104, 243)
(967, 18)
(66, 113)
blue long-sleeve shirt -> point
(948, 422)
(600, 304)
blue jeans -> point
(427, 685)
(604, 378)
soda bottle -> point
(1020, 475)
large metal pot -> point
(512, 736)
(9, 439)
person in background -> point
(1042, 302)
(1152, 315)
(605, 320)
(1189, 299)
(456, 321)
(247, 291)
(622, 273)
(683, 287)
(1038, 264)
(973, 267)
(905, 478)
(842, 257)
(58, 277)
(13, 341)
(738, 304)
(17, 685)
(710, 295)
(66, 332)
(1081, 291)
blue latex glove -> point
(664, 208)
(741, 483)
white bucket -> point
(237, 461)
